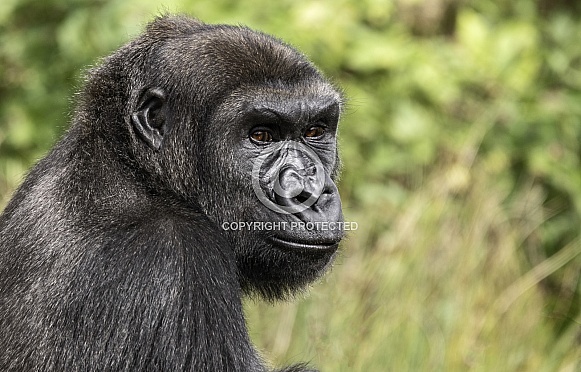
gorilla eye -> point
(314, 132)
(261, 136)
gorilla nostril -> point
(303, 196)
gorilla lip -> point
(324, 246)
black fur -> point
(112, 254)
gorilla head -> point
(213, 110)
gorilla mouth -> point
(305, 245)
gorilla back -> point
(119, 252)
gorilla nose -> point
(297, 184)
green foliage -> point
(461, 148)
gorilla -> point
(199, 168)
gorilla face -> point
(281, 143)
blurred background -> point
(461, 148)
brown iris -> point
(261, 136)
(314, 132)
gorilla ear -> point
(149, 117)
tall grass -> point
(438, 283)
